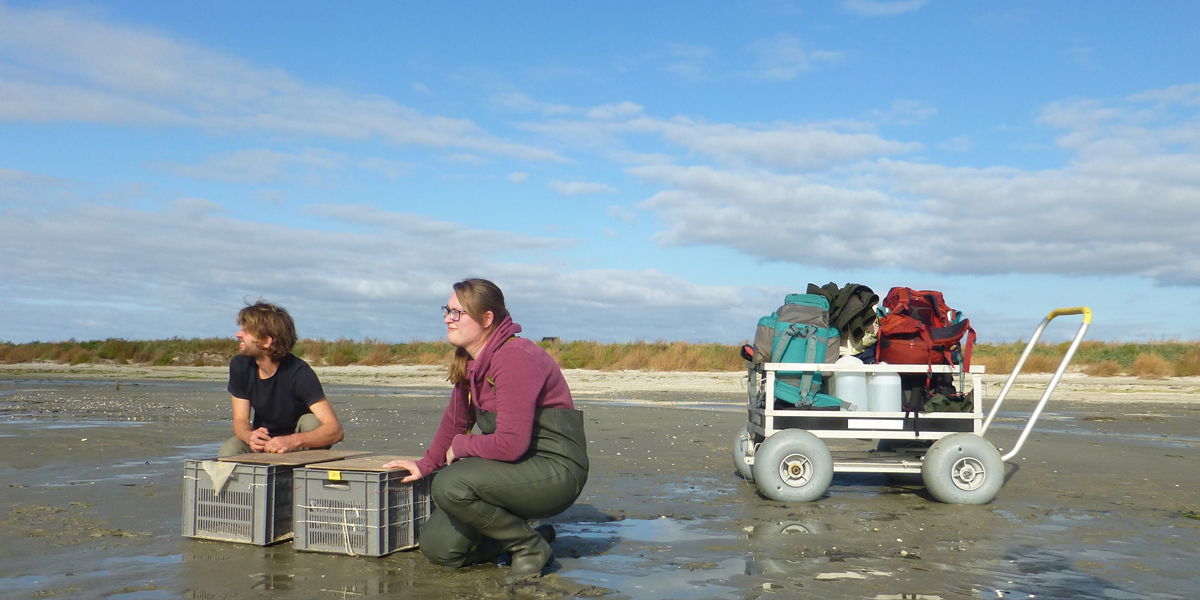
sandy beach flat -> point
(1101, 503)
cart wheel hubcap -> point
(968, 474)
(796, 470)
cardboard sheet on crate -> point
(372, 463)
(293, 459)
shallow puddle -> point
(655, 558)
(22, 582)
(143, 595)
(705, 489)
(1173, 441)
(154, 560)
(643, 530)
(53, 423)
(674, 582)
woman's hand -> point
(414, 473)
(450, 455)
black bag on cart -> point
(915, 394)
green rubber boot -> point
(547, 532)
(528, 560)
(530, 551)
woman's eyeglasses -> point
(453, 313)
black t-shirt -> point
(279, 401)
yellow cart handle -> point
(1062, 367)
(1074, 310)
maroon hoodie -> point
(512, 377)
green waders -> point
(484, 504)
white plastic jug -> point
(850, 387)
(883, 392)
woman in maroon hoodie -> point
(529, 458)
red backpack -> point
(919, 329)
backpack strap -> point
(808, 332)
(806, 382)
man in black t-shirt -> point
(289, 407)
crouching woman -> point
(529, 458)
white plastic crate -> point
(357, 512)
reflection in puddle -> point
(25, 581)
(1043, 573)
(273, 581)
(156, 560)
(672, 583)
(643, 530)
(641, 575)
(55, 424)
(142, 595)
(1175, 441)
(702, 489)
(788, 527)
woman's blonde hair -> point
(478, 297)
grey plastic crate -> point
(255, 506)
(367, 513)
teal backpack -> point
(799, 332)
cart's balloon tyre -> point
(896, 445)
(743, 446)
(963, 468)
(793, 466)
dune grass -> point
(1149, 360)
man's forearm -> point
(241, 429)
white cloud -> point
(579, 188)
(874, 8)
(522, 103)
(622, 214)
(463, 158)
(184, 270)
(1188, 93)
(66, 67)
(777, 145)
(420, 88)
(689, 61)
(609, 233)
(13, 176)
(34, 189)
(259, 165)
(783, 57)
(1126, 205)
(392, 169)
(608, 112)
(270, 196)
(905, 112)
(518, 177)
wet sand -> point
(1102, 502)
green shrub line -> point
(1143, 359)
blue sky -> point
(624, 171)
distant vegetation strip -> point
(1142, 359)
